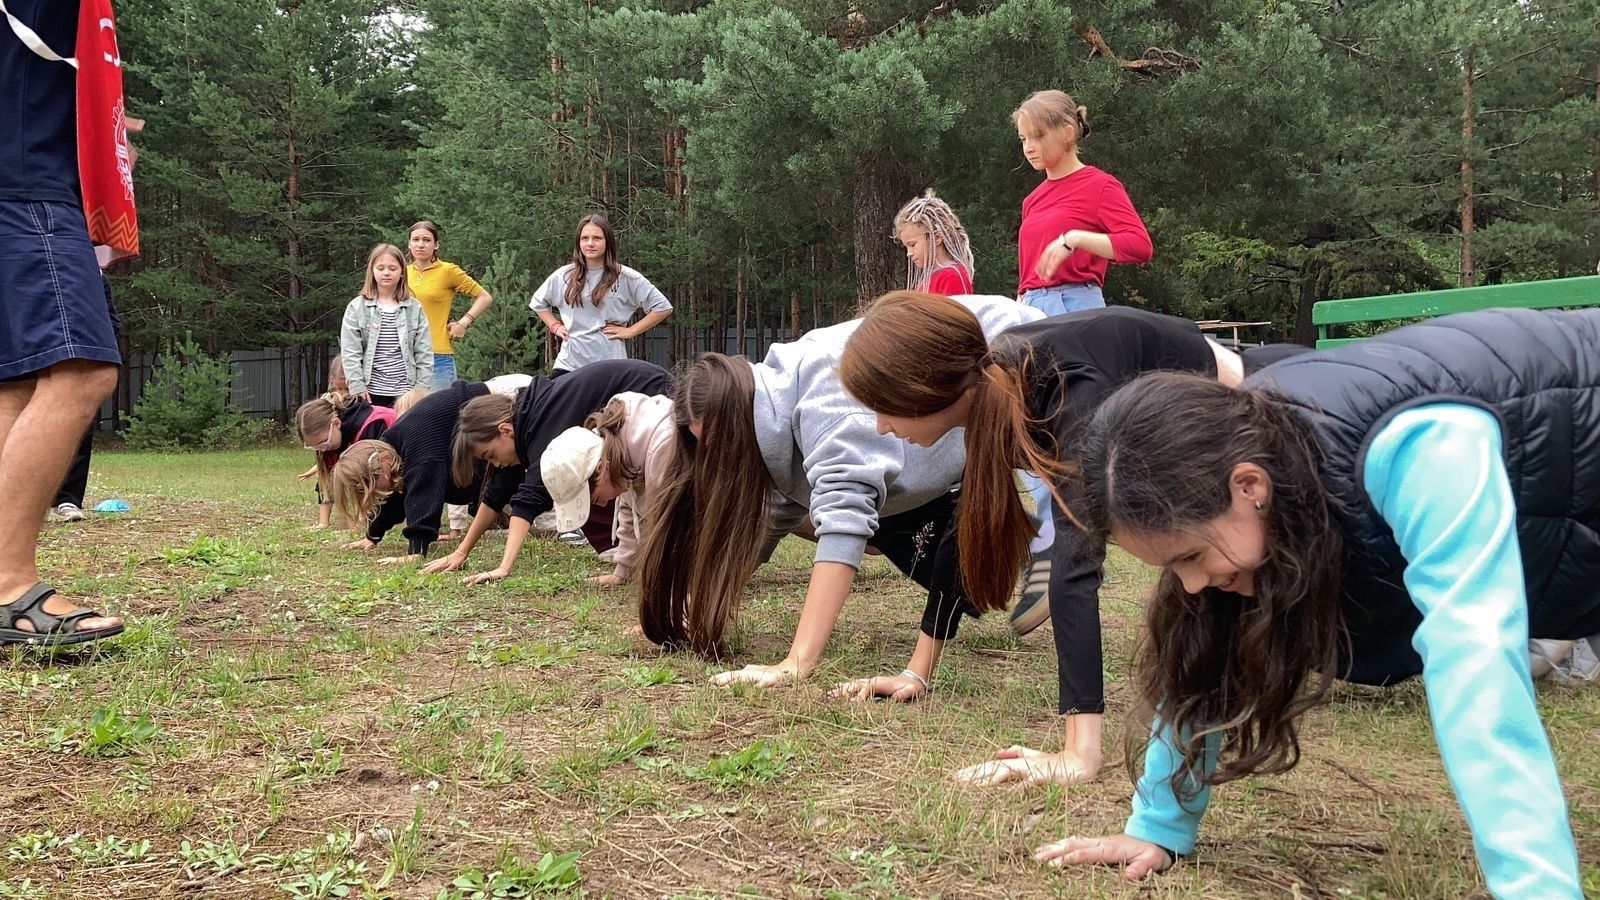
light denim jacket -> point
(358, 342)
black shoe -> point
(1033, 604)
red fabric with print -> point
(105, 167)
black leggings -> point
(922, 543)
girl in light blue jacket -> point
(385, 341)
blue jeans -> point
(444, 370)
(1044, 521)
(1061, 299)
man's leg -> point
(76, 482)
(40, 422)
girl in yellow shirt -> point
(435, 283)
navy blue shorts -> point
(52, 298)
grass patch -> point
(315, 725)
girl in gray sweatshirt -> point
(760, 446)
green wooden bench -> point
(1553, 294)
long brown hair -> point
(580, 266)
(479, 423)
(1156, 459)
(353, 483)
(706, 528)
(916, 354)
(608, 423)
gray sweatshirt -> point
(823, 449)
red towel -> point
(104, 165)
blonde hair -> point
(402, 288)
(939, 222)
(409, 399)
(1052, 110)
(353, 483)
(479, 422)
(316, 417)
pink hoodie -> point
(647, 438)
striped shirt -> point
(389, 378)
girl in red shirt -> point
(938, 254)
(1078, 221)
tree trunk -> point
(1468, 276)
(882, 184)
(294, 386)
(739, 296)
(1305, 330)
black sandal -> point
(50, 630)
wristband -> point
(1062, 240)
(907, 673)
(467, 320)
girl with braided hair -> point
(938, 253)
(1078, 220)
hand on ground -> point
(445, 564)
(610, 579)
(450, 537)
(317, 526)
(399, 560)
(758, 675)
(486, 577)
(899, 688)
(1139, 858)
(362, 544)
(1031, 766)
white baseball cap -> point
(566, 466)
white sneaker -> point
(573, 539)
(68, 512)
(1581, 666)
(1545, 654)
(608, 556)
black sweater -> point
(424, 438)
(1073, 362)
(547, 407)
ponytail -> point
(608, 423)
(916, 354)
(314, 417)
(993, 528)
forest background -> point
(751, 153)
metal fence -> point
(261, 377)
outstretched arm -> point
(1437, 476)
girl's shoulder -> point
(562, 272)
(630, 273)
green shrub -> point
(186, 405)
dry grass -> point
(317, 725)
